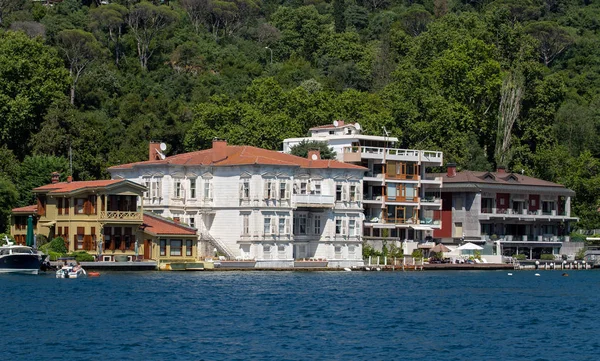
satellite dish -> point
(335, 123)
(314, 157)
(357, 126)
(163, 146)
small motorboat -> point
(71, 271)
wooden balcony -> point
(121, 216)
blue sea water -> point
(451, 315)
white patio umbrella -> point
(470, 247)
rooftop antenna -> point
(161, 153)
(387, 134)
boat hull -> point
(20, 263)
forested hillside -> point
(507, 82)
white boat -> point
(19, 259)
(71, 271)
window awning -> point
(421, 228)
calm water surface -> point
(448, 315)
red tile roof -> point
(65, 187)
(242, 155)
(26, 209)
(157, 225)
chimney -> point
(55, 177)
(451, 170)
(501, 169)
(314, 154)
(219, 150)
(154, 151)
(69, 179)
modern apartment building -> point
(401, 200)
(523, 215)
(255, 204)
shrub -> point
(417, 253)
(82, 256)
(520, 257)
(369, 251)
(547, 257)
(57, 246)
(54, 256)
(578, 237)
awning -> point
(421, 228)
(48, 224)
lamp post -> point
(266, 47)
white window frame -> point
(316, 187)
(352, 227)
(156, 187)
(267, 225)
(177, 188)
(339, 192)
(245, 224)
(282, 224)
(208, 189)
(193, 183)
(146, 181)
(269, 188)
(317, 224)
(171, 247)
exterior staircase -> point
(218, 244)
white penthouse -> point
(255, 204)
(401, 201)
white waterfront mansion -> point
(250, 203)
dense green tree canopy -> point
(511, 82)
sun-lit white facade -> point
(253, 204)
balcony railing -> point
(521, 212)
(318, 200)
(121, 215)
(532, 238)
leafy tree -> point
(9, 165)
(80, 49)
(301, 149)
(301, 29)
(33, 77)
(553, 39)
(228, 16)
(110, 18)
(6, 6)
(415, 20)
(147, 22)
(338, 15)
(8, 199)
(35, 171)
(197, 11)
